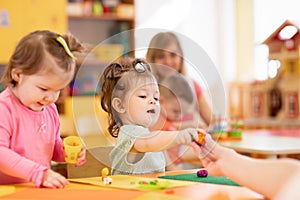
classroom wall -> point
(18, 18)
(210, 24)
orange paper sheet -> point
(63, 194)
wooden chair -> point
(93, 130)
(96, 159)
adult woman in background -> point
(166, 58)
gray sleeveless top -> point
(124, 162)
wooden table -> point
(79, 191)
(269, 143)
(291, 132)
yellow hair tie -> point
(64, 44)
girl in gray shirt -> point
(130, 96)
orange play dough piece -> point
(201, 138)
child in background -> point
(40, 67)
(176, 99)
(130, 96)
(276, 179)
(165, 54)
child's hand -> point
(187, 136)
(53, 179)
(81, 157)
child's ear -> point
(15, 74)
(117, 105)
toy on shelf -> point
(235, 129)
(220, 131)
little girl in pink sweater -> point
(40, 67)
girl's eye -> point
(160, 56)
(173, 55)
(43, 89)
(176, 112)
(156, 99)
(142, 96)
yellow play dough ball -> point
(105, 171)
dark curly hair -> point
(116, 80)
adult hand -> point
(210, 154)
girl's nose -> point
(168, 61)
(152, 101)
(51, 97)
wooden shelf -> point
(106, 16)
(93, 30)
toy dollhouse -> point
(277, 99)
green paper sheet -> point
(222, 180)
